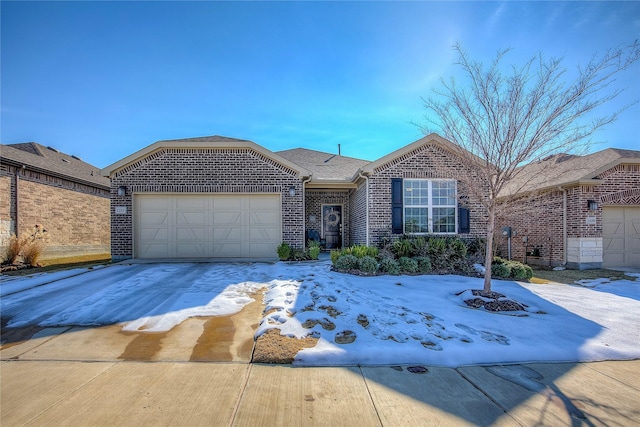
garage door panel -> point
(263, 218)
(191, 234)
(621, 236)
(155, 234)
(228, 250)
(227, 218)
(155, 218)
(263, 234)
(183, 226)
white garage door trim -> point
(621, 236)
(237, 225)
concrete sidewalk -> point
(81, 393)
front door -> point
(332, 226)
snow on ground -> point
(358, 320)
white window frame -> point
(429, 206)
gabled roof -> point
(324, 166)
(50, 161)
(566, 170)
(432, 138)
(215, 141)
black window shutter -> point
(396, 206)
(464, 226)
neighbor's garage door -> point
(195, 226)
(621, 236)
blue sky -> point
(104, 79)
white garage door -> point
(199, 226)
(621, 236)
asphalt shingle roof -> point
(324, 166)
(49, 160)
(563, 169)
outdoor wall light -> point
(122, 190)
(292, 191)
(592, 205)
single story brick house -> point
(230, 198)
(578, 211)
(66, 196)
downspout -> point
(564, 225)
(366, 217)
(304, 213)
(18, 199)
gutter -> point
(22, 168)
(366, 180)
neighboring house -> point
(578, 211)
(231, 198)
(66, 196)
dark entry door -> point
(332, 225)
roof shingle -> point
(50, 160)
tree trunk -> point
(488, 259)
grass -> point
(57, 264)
(571, 276)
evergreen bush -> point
(390, 266)
(346, 263)
(408, 265)
(368, 265)
(284, 251)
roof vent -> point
(66, 160)
(76, 157)
(53, 149)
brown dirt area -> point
(569, 277)
(271, 347)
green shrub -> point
(314, 252)
(368, 264)
(314, 249)
(389, 265)
(520, 271)
(300, 255)
(437, 247)
(402, 248)
(498, 260)
(335, 254)
(284, 251)
(424, 264)
(458, 248)
(408, 265)
(500, 270)
(477, 247)
(346, 262)
(418, 246)
(361, 251)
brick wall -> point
(536, 221)
(76, 216)
(429, 161)
(358, 217)
(314, 199)
(204, 170)
(540, 217)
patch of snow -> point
(358, 320)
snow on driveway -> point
(358, 320)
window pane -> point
(444, 193)
(415, 192)
(415, 220)
(444, 220)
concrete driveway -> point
(97, 334)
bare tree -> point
(501, 120)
